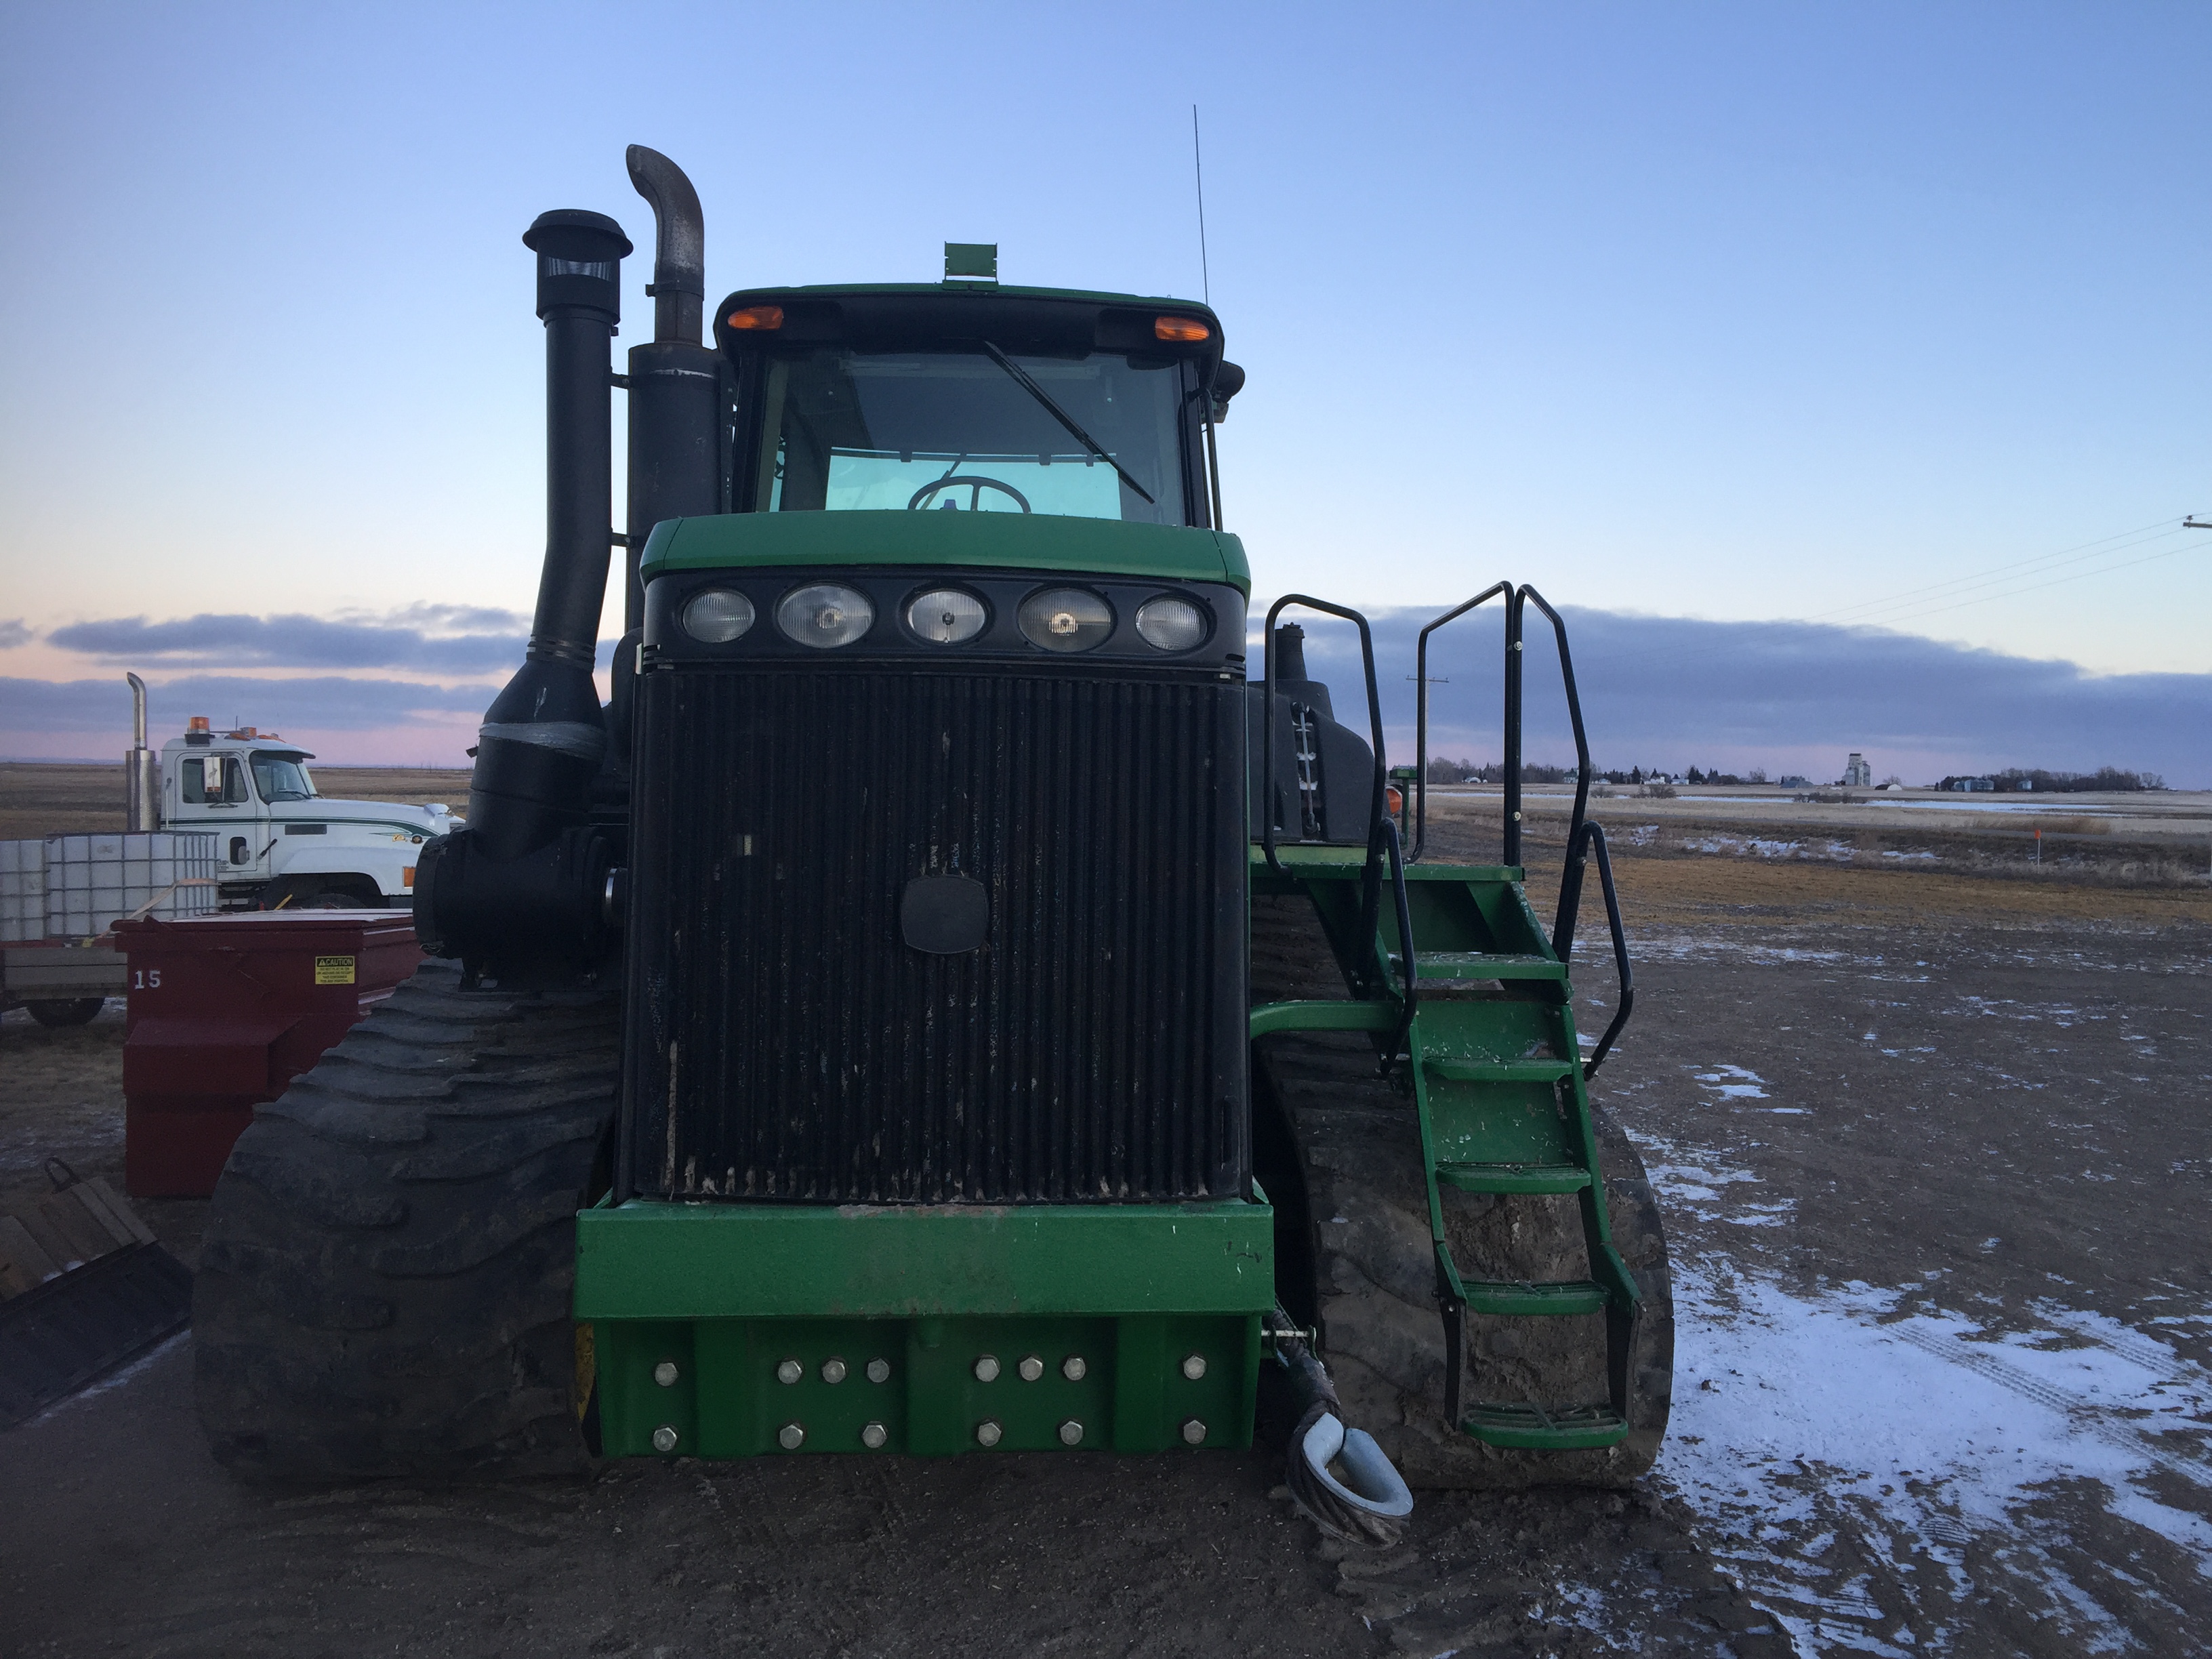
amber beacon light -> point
(1180, 328)
(759, 317)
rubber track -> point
(385, 1280)
(1359, 1147)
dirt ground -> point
(1933, 1156)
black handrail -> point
(1370, 884)
(1421, 711)
(1529, 595)
(1562, 937)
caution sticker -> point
(334, 970)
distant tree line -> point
(2034, 779)
(2014, 780)
(1460, 771)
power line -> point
(2077, 576)
(1882, 611)
(1996, 570)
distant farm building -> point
(1857, 774)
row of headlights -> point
(826, 615)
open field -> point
(2161, 839)
(1933, 1157)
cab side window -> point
(213, 782)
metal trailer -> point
(943, 1003)
(61, 896)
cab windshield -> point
(281, 777)
(974, 432)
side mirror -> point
(1227, 381)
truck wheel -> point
(57, 1016)
(384, 1282)
(1354, 1169)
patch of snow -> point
(1733, 1083)
(1801, 1421)
(1687, 1183)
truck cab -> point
(282, 842)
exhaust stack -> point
(141, 769)
(675, 381)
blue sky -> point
(1734, 313)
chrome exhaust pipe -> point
(141, 769)
(675, 382)
(679, 244)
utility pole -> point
(2194, 523)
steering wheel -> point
(974, 485)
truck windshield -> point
(954, 431)
(281, 777)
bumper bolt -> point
(1032, 1368)
(987, 1368)
(833, 1370)
(791, 1437)
(664, 1438)
(1071, 1433)
(873, 1436)
(790, 1372)
(1193, 1433)
(988, 1433)
(1072, 1368)
(664, 1373)
(879, 1371)
(1193, 1366)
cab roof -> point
(887, 316)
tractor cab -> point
(974, 398)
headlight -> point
(1170, 624)
(824, 615)
(1065, 619)
(717, 616)
(945, 616)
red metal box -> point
(224, 1012)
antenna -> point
(1198, 172)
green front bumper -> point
(731, 1330)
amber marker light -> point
(759, 317)
(1181, 328)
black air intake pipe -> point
(542, 737)
(518, 893)
(675, 382)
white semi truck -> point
(281, 842)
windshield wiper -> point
(1021, 378)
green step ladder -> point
(1497, 1085)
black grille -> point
(789, 1043)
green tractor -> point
(942, 1003)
